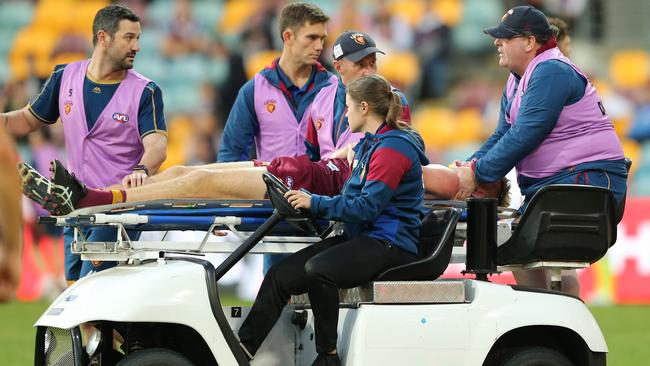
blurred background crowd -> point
(201, 52)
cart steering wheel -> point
(300, 218)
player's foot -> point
(68, 189)
(40, 189)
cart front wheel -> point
(155, 357)
(535, 356)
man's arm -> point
(44, 109)
(10, 219)
(241, 127)
(551, 87)
(21, 122)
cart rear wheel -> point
(535, 356)
(155, 357)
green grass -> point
(627, 332)
(626, 329)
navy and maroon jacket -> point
(383, 198)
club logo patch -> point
(507, 14)
(289, 182)
(319, 123)
(270, 105)
(120, 117)
(359, 38)
(67, 107)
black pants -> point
(320, 270)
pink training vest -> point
(102, 156)
(322, 116)
(583, 132)
(280, 133)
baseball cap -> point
(520, 20)
(354, 46)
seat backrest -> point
(436, 244)
(568, 223)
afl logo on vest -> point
(270, 105)
(120, 117)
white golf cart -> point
(161, 305)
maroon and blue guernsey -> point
(383, 198)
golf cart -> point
(161, 305)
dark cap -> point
(354, 46)
(521, 20)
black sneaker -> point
(326, 359)
(35, 186)
(68, 189)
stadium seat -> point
(402, 69)
(449, 11)
(15, 15)
(83, 15)
(235, 14)
(179, 132)
(260, 60)
(630, 68)
(36, 43)
(411, 11)
(436, 125)
(469, 126)
(208, 13)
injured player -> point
(63, 193)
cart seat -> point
(563, 223)
(436, 244)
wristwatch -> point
(142, 168)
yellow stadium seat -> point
(36, 44)
(622, 125)
(402, 69)
(409, 10)
(83, 16)
(54, 16)
(259, 60)
(449, 11)
(179, 132)
(436, 125)
(235, 14)
(630, 68)
(469, 126)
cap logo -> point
(507, 14)
(270, 105)
(359, 38)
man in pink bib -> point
(112, 119)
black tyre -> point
(155, 357)
(535, 356)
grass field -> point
(626, 328)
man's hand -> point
(135, 179)
(298, 199)
(467, 182)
